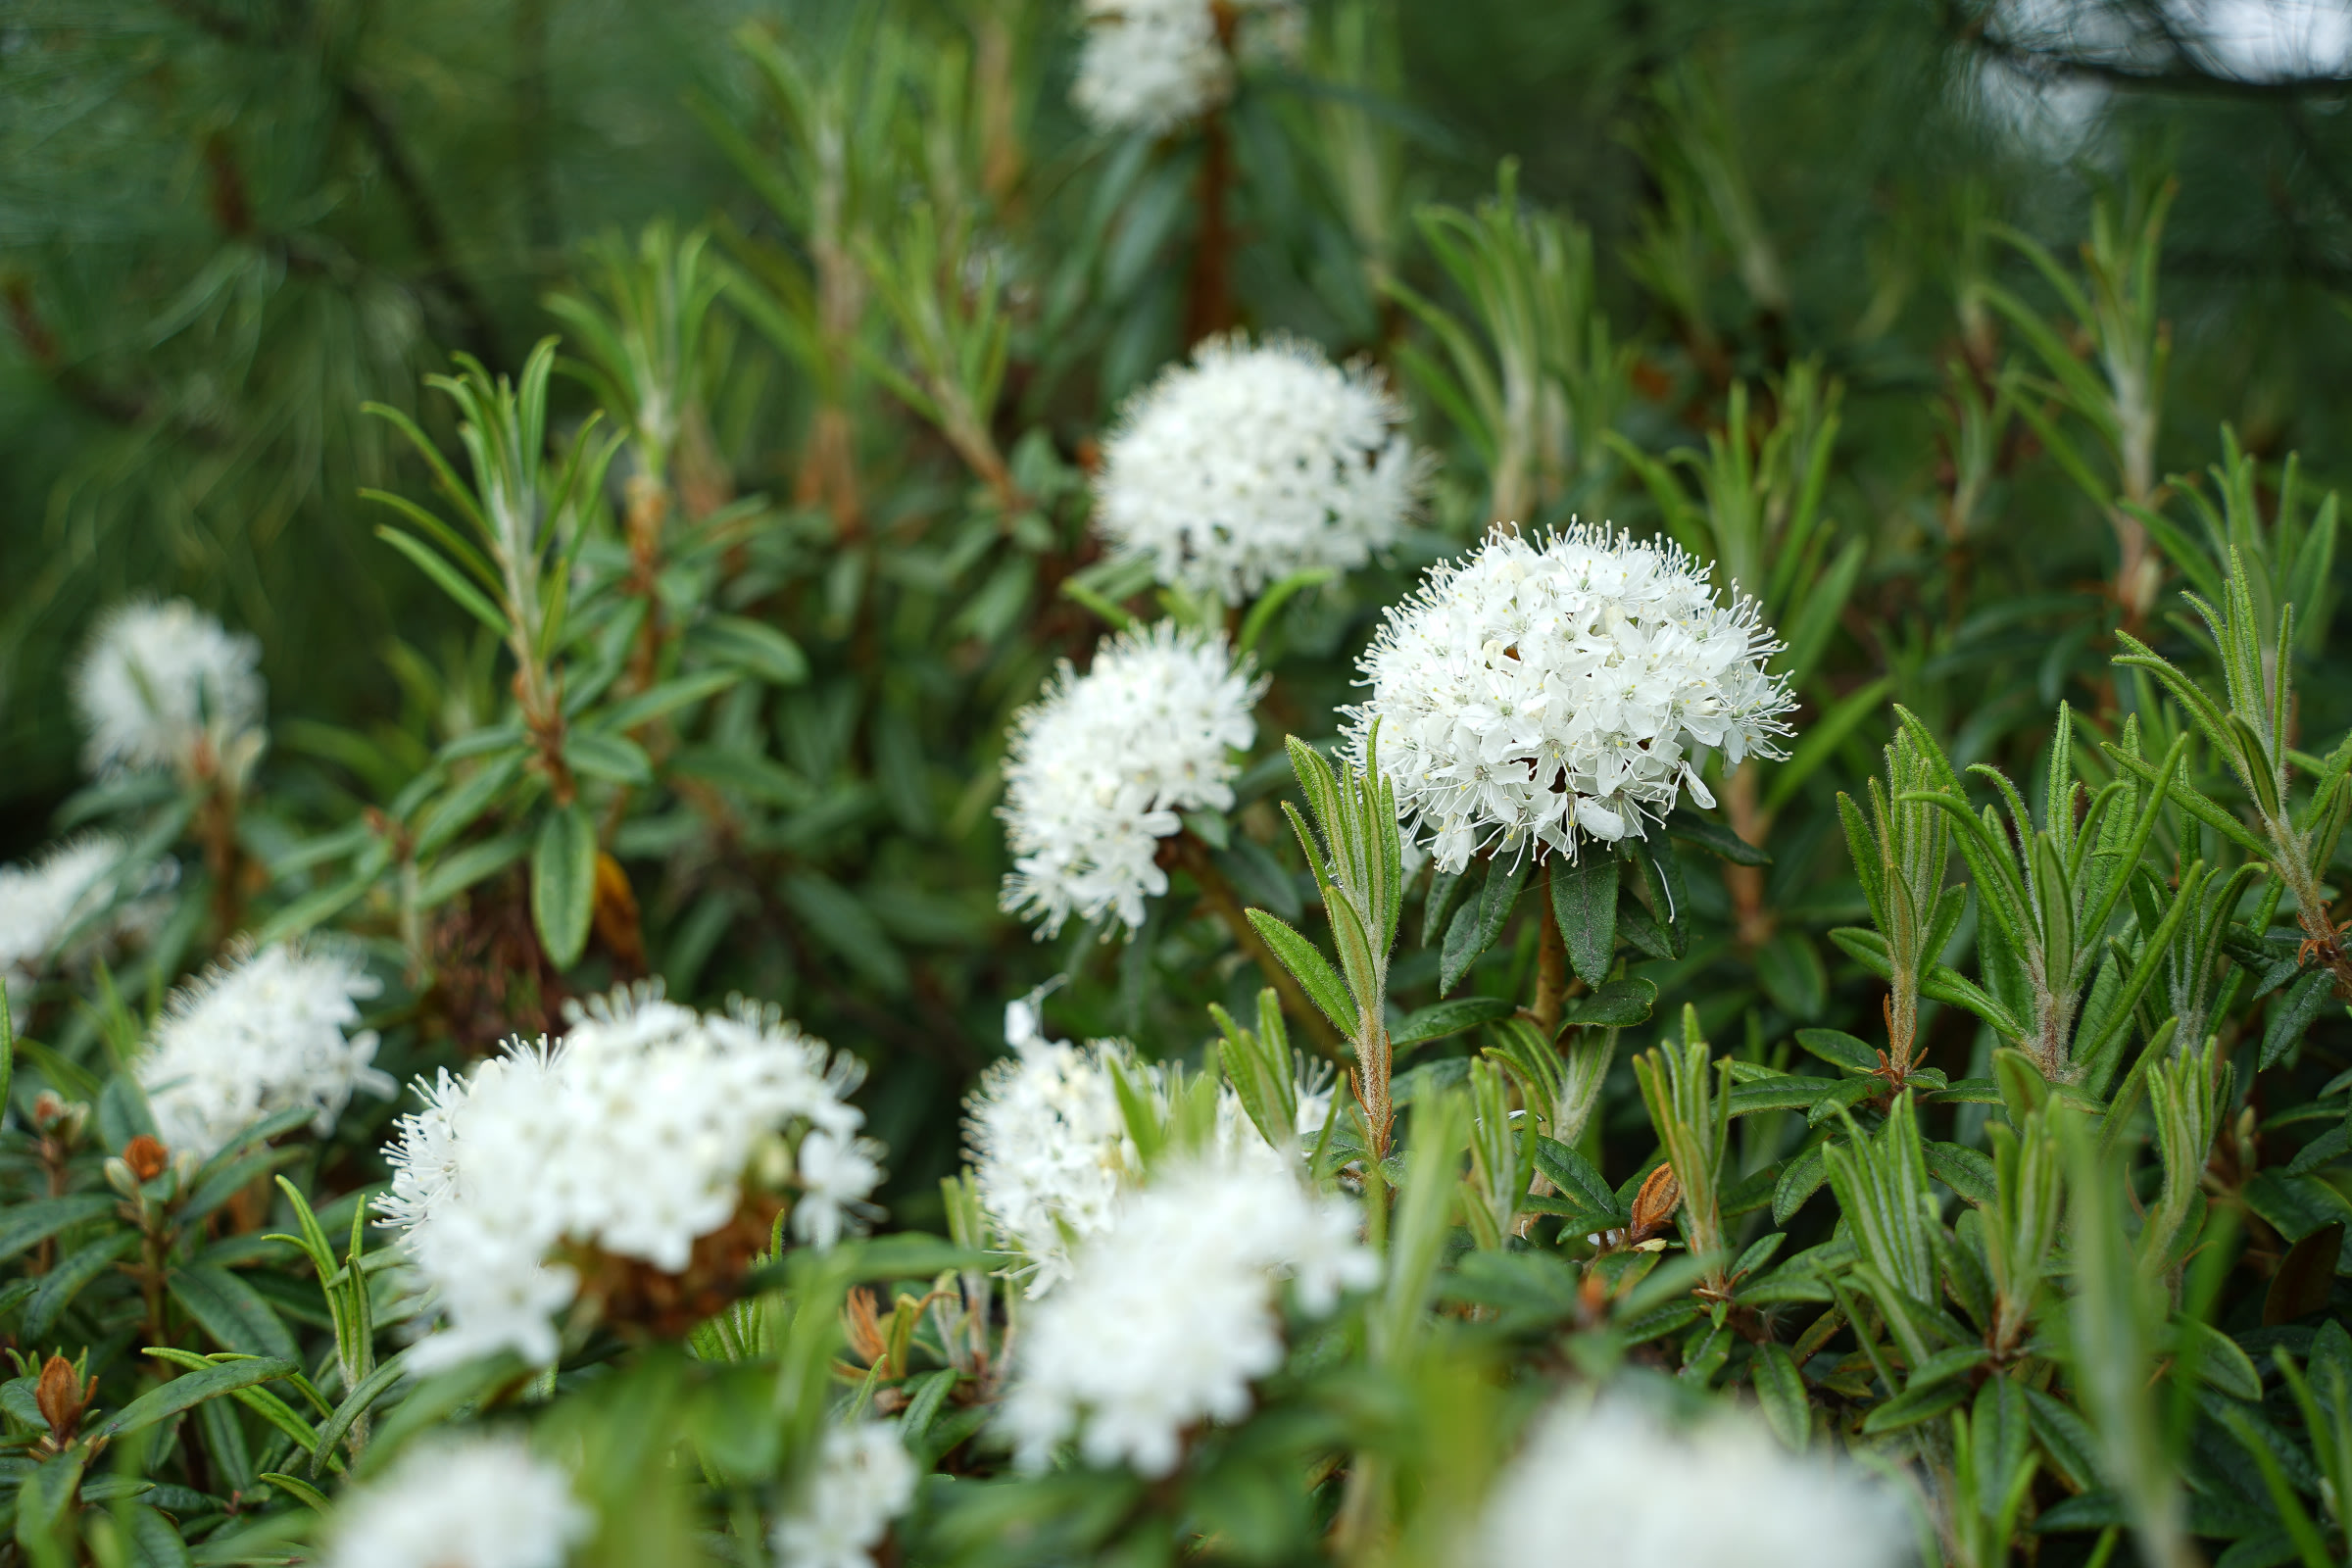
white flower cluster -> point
(466, 1503)
(43, 902)
(631, 1134)
(268, 1031)
(1171, 1313)
(1155, 64)
(1098, 769)
(1612, 1485)
(1251, 463)
(1545, 692)
(163, 685)
(1050, 1147)
(864, 1479)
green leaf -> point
(373, 1387)
(299, 1490)
(1574, 1176)
(2294, 1014)
(1713, 836)
(28, 1225)
(1961, 1168)
(837, 917)
(186, 1393)
(461, 869)
(563, 882)
(1779, 1094)
(231, 1312)
(751, 645)
(1584, 901)
(1839, 1050)
(1443, 1019)
(1781, 1392)
(436, 566)
(1910, 1407)
(654, 701)
(59, 1287)
(1477, 923)
(1309, 968)
(615, 758)
(1822, 738)
(1618, 1004)
(1799, 1181)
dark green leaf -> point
(1443, 1019)
(1715, 838)
(1619, 1004)
(1584, 901)
(186, 1393)
(2303, 1003)
(1961, 1168)
(230, 1310)
(1480, 921)
(25, 1225)
(1839, 1050)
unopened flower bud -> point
(61, 1397)
(145, 1157)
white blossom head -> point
(166, 685)
(73, 902)
(463, 1503)
(1154, 66)
(1250, 463)
(1173, 1312)
(1098, 769)
(265, 1031)
(1048, 1144)
(1545, 692)
(630, 1139)
(1612, 1484)
(862, 1480)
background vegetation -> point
(1965, 335)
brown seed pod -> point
(146, 1157)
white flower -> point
(631, 1136)
(463, 1502)
(161, 684)
(1171, 1313)
(268, 1031)
(1049, 1146)
(864, 1480)
(1154, 64)
(1098, 769)
(43, 902)
(1553, 691)
(1612, 1485)
(1251, 463)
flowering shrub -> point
(1258, 879)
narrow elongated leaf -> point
(751, 645)
(1620, 1003)
(2303, 1004)
(1715, 838)
(1839, 1049)
(1479, 922)
(1309, 967)
(563, 882)
(186, 1393)
(1443, 1019)
(1574, 1176)
(58, 1288)
(26, 1225)
(230, 1310)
